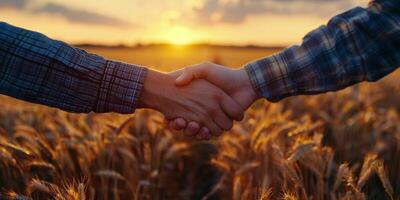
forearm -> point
(359, 45)
(49, 72)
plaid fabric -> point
(362, 44)
(40, 70)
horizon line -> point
(166, 44)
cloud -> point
(81, 16)
(16, 4)
(236, 11)
(71, 14)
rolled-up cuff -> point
(120, 88)
(269, 78)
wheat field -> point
(343, 145)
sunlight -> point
(179, 35)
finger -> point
(223, 121)
(176, 73)
(213, 127)
(190, 73)
(172, 125)
(205, 133)
(178, 124)
(231, 108)
(192, 129)
(185, 78)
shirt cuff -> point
(270, 78)
(120, 88)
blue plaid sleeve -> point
(362, 44)
(41, 70)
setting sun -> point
(179, 35)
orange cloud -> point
(237, 11)
(68, 13)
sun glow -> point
(179, 35)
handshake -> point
(203, 100)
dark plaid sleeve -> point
(41, 70)
(362, 44)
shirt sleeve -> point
(40, 70)
(362, 44)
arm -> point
(49, 72)
(358, 45)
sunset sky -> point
(239, 22)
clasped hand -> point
(203, 100)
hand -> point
(199, 102)
(235, 83)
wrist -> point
(246, 84)
(152, 89)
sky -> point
(229, 22)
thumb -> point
(185, 78)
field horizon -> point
(201, 44)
